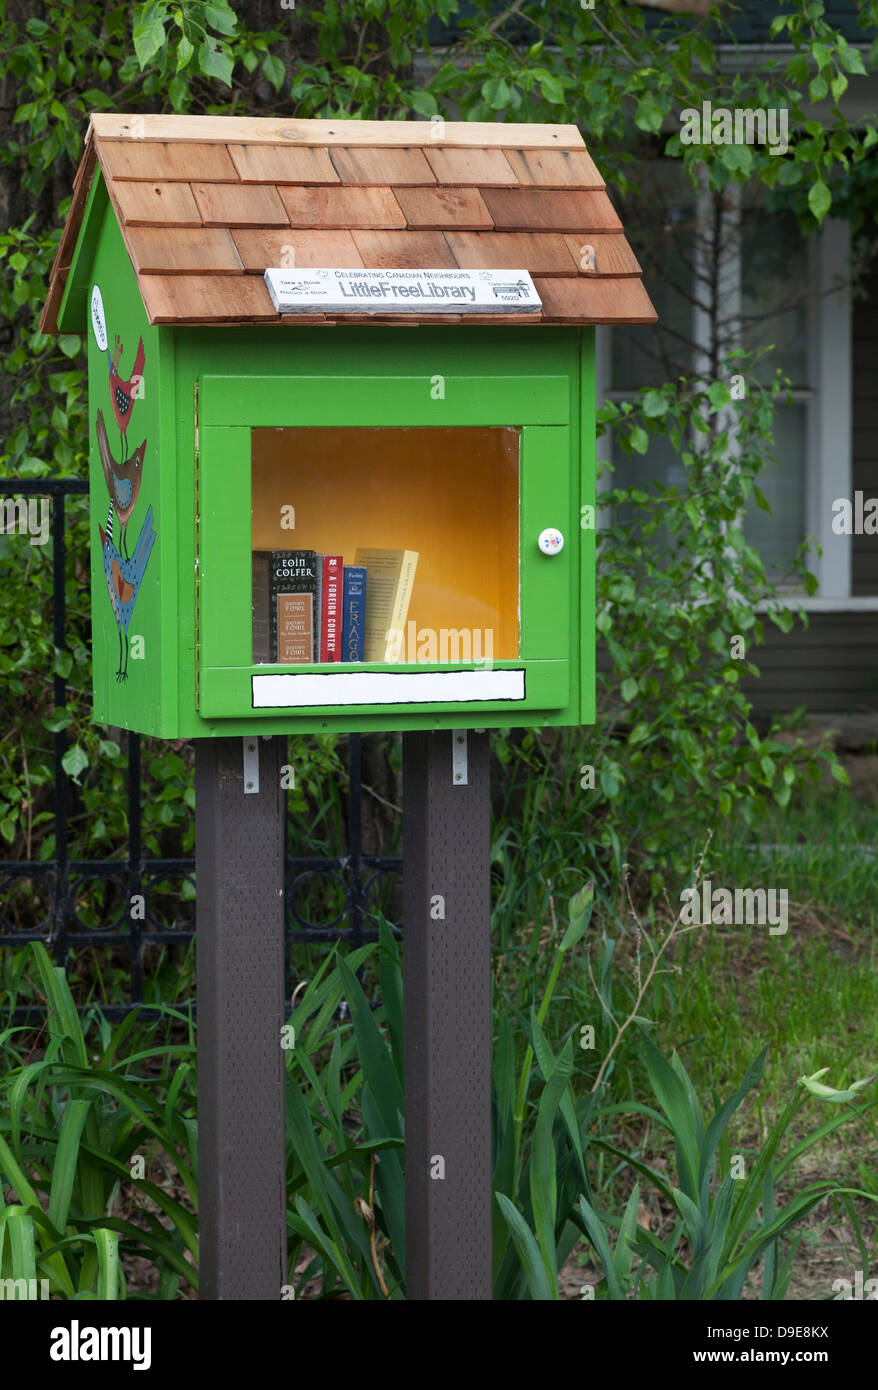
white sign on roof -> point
(402, 291)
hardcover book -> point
(331, 567)
(353, 613)
(293, 610)
(390, 577)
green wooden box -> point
(463, 441)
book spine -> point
(330, 626)
(292, 613)
(353, 636)
(403, 596)
(318, 611)
(261, 606)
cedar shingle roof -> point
(207, 203)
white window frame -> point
(828, 406)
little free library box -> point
(305, 517)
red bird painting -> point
(123, 393)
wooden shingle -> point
(533, 209)
(554, 168)
(185, 160)
(403, 250)
(207, 203)
(428, 208)
(204, 298)
(182, 251)
(380, 167)
(294, 249)
(609, 255)
(147, 204)
(342, 208)
(484, 168)
(294, 164)
(239, 205)
(595, 300)
(540, 253)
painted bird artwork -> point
(122, 479)
(124, 578)
(124, 393)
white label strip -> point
(402, 291)
(307, 689)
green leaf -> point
(70, 344)
(838, 85)
(220, 17)
(579, 910)
(214, 62)
(61, 719)
(527, 1249)
(543, 1169)
(496, 92)
(630, 689)
(74, 762)
(185, 50)
(639, 439)
(552, 89)
(109, 1264)
(63, 663)
(819, 200)
(424, 103)
(654, 405)
(797, 69)
(65, 1161)
(274, 71)
(598, 1236)
(649, 114)
(149, 34)
(851, 59)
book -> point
(330, 567)
(390, 577)
(318, 609)
(353, 613)
(261, 604)
(293, 610)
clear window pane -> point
(774, 291)
(778, 535)
(431, 515)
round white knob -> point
(550, 541)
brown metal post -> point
(447, 994)
(239, 857)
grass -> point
(810, 997)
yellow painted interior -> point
(450, 494)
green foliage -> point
(604, 69)
(73, 1120)
(725, 1221)
(679, 596)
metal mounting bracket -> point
(458, 757)
(251, 765)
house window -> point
(742, 275)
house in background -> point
(777, 288)
(796, 294)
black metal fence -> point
(355, 875)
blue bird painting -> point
(124, 577)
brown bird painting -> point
(122, 479)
